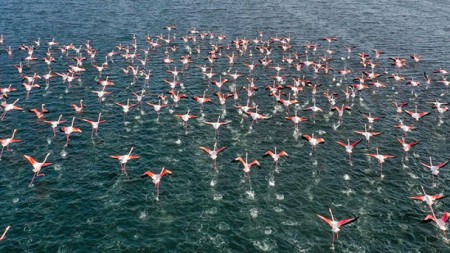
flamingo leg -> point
(215, 166)
(32, 179)
(124, 168)
(157, 191)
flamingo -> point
(202, 100)
(156, 178)
(8, 107)
(255, 115)
(296, 120)
(95, 124)
(6, 142)
(101, 94)
(126, 107)
(157, 107)
(336, 225)
(341, 110)
(434, 168)
(313, 141)
(416, 115)
(39, 113)
(276, 156)
(54, 124)
(367, 134)
(371, 119)
(440, 223)
(123, 159)
(213, 153)
(217, 125)
(69, 130)
(78, 109)
(429, 199)
(349, 147)
(407, 146)
(247, 166)
(185, 118)
(381, 159)
(7, 90)
(37, 166)
(405, 128)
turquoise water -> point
(84, 202)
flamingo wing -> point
(207, 150)
(354, 144)
(347, 221)
(328, 221)
(421, 198)
(442, 164)
(307, 137)
(148, 174)
(30, 160)
(342, 144)
(221, 149)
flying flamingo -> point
(429, 199)
(54, 124)
(416, 115)
(78, 109)
(405, 128)
(157, 107)
(69, 130)
(336, 225)
(313, 141)
(185, 118)
(296, 120)
(217, 125)
(399, 106)
(8, 107)
(441, 223)
(7, 141)
(4, 233)
(156, 178)
(202, 100)
(39, 113)
(349, 147)
(126, 108)
(95, 124)
(255, 116)
(247, 165)
(37, 166)
(367, 134)
(407, 146)
(341, 110)
(370, 119)
(213, 154)
(101, 94)
(276, 156)
(381, 159)
(434, 168)
(123, 159)
(314, 109)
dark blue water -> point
(85, 204)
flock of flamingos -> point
(201, 53)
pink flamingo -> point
(156, 178)
(6, 142)
(123, 159)
(37, 166)
(336, 225)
